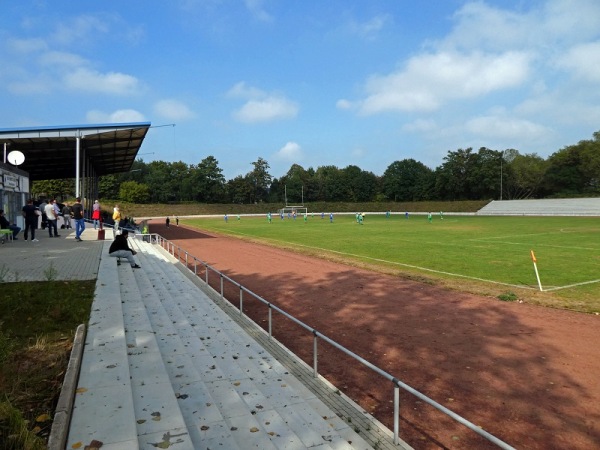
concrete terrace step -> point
(543, 207)
(164, 365)
(244, 381)
(103, 407)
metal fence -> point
(193, 264)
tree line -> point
(465, 174)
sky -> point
(314, 83)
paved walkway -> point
(61, 258)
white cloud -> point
(242, 90)
(173, 110)
(290, 152)
(505, 128)
(265, 110)
(26, 46)
(109, 83)
(261, 106)
(119, 116)
(258, 11)
(371, 27)
(583, 61)
(61, 59)
(344, 104)
(80, 28)
(31, 86)
(420, 125)
(358, 152)
(429, 80)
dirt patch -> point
(526, 374)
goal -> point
(299, 210)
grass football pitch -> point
(487, 255)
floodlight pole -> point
(501, 160)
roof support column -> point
(77, 166)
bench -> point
(6, 234)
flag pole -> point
(536, 270)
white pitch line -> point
(406, 265)
(537, 245)
(572, 285)
(425, 269)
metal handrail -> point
(170, 248)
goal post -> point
(299, 210)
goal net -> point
(290, 210)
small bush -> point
(508, 297)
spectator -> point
(66, 212)
(6, 225)
(31, 214)
(120, 249)
(78, 217)
(52, 218)
(96, 214)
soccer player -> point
(429, 217)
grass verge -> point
(38, 323)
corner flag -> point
(533, 258)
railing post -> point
(206, 273)
(222, 296)
(186, 259)
(270, 322)
(241, 300)
(315, 356)
(396, 414)
(195, 266)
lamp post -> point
(501, 161)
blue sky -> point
(315, 83)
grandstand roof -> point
(50, 152)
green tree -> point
(134, 192)
(451, 177)
(208, 181)
(330, 184)
(60, 189)
(160, 182)
(484, 174)
(261, 179)
(108, 186)
(295, 184)
(241, 189)
(359, 185)
(522, 175)
(407, 180)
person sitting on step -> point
(120, 249)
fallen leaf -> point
(253, 430)
(42, 418)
